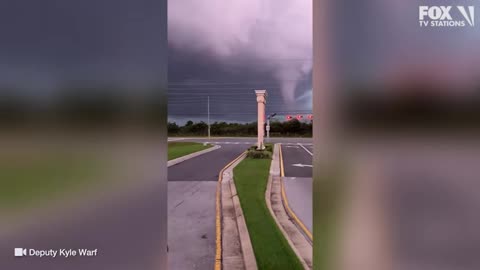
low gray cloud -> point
(271, 36)
(44, 44)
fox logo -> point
(436, 14)
(469, 16)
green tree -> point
(173, 128)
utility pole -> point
(208, 121)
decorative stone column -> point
(261, 101)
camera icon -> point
(20, 252)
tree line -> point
(293, 128)
(84, 106)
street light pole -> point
(268, 127)
(268, 124)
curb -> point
(236, 244)
(289, 211)
(295, 238)
(293, 216)
(245, 259)
(192, 155)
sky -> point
(382, 41)
(47, 44)
(222, 49)
(225, 50)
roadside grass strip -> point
(180, 149)
(31, 180)
(329, 189)
(271, 249)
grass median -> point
(271, 249)
(31, 180)
(180, 149)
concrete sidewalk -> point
(191, 224)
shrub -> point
(259, 154)
(268, 147)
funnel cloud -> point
(272, 36)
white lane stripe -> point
(304, 148)
(175, 139)
(249, 143)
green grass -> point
(31, 180)
(329, 188)
(179, 149)
(271, 249)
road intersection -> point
(191, 196)
(191, 208)
(121, 220)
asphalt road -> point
(191, 201)
(433, 200)
(297, 160)
(300, 198)
(244, 140)
(122, 217)
(414, 200)
(205, 167)
(127, 231)
(191, 208)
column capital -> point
(261, 92)
(261, 96)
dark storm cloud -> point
(381, 40)
(46, 43)
(228, 49)
(195, 77)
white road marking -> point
(288, 144)
(302, 165)
(175, 139)
(304, 148)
